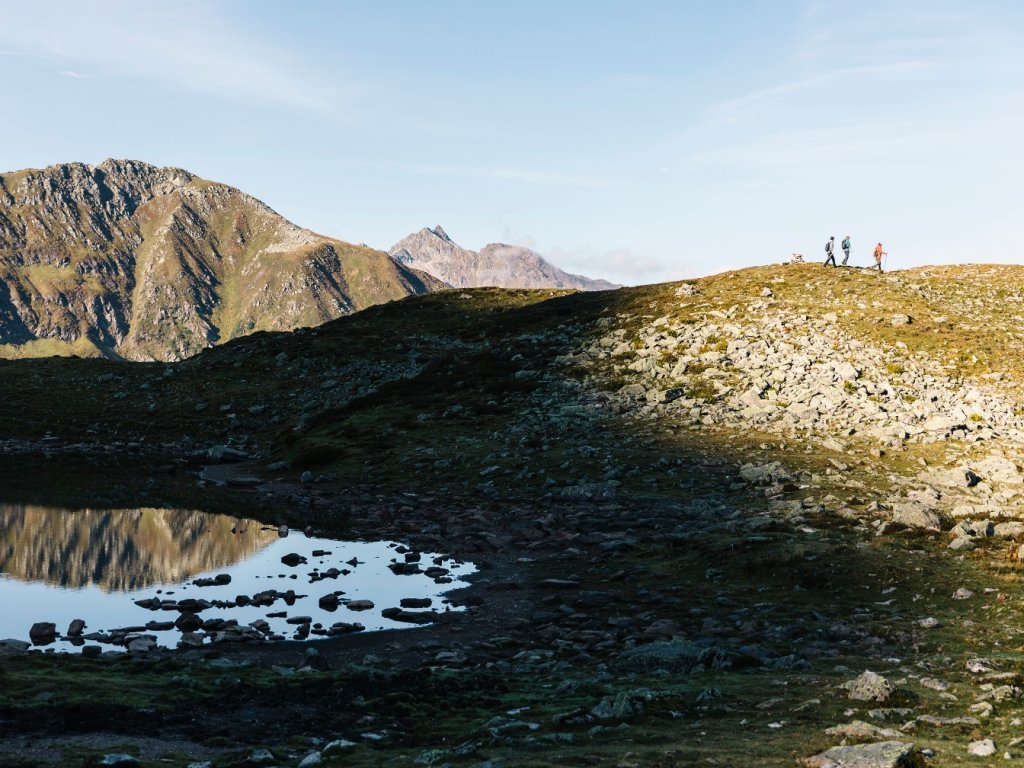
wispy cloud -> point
(821, 81)
(621, 265)
(75, 75)
(184, 45)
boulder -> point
(939, 423)
(626, 705)
(1009, 530)
(882, 754)
(683, 656)
(869, 686)
(914, 514)
(970, 529)
(847, 372)
(764, 474)
(999, 469)
(983, 748)
(633, 391)
(858, 730)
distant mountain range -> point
(128, 260)
(497, 264)
(131, 261)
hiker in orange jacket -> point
(879, 253)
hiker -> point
(846, 250)
(879, 253)
(830, 249)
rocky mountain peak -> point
(497, 264)
(133, 260)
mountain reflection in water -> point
(121, 549)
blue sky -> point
(636, 141)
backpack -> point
(846, 244)
(828, 246)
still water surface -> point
(57, 565)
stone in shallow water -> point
(344, 628)
(409, 617)
(415, 602)
(884, 754)
(405, 569)
(142, 645)
(329, 602)
(188, 622)
(42, 633)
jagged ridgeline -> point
(128, 260)
(495, 265)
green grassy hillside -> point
(747, 489)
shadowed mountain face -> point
(128, 260)
(121, 550)
(499, 265)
